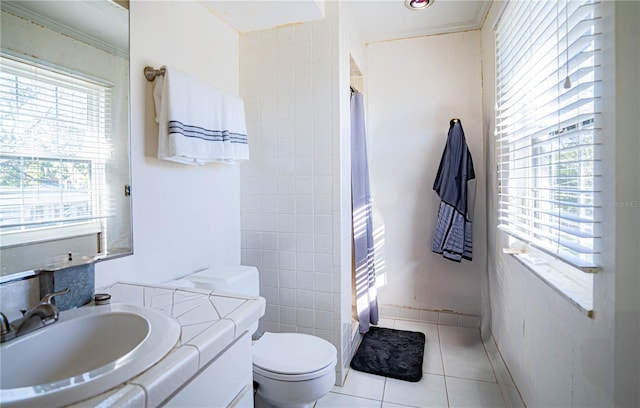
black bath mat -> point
(391, 353)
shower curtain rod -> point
(151, 73)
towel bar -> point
(151, 73)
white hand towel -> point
(198, 123)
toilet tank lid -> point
(225, 272)
(293, 353)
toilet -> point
(289, 369)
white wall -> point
(414, 87)
(184, 217)
(556, 354)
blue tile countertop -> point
(210, 322)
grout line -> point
(444, 374)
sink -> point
(86, 352)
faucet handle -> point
(49, 296)
(7, 332)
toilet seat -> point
(293, 356)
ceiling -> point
(379, 20)
(103, 23)
(382, 20)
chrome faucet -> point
(43, 314)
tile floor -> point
(459, 370)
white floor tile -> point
(432, 361)
(456, 352)
(463, 354)
(333, 400)
(361, 384)
(428, 392)
(465, 393)
(392, 405)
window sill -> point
(574, 285)
(34, 236)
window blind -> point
(55, 143)
(548, 127)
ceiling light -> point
(418, 4)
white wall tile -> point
(271, 294)
(268, 204)
(323, 243)
(323, 320)
(286, 223)
(269, 222)
(323, 300)
(287, 297)
(305, 299)
(322, 185)
(287, 278)
(287, 260)
(286, 184)
(305, 318)
(268, 38)
(269, 240)
(323, 263)
(251, 240)
(323, 282)
(447, 319)
(304, 204)
(304, 185)
(304, 242)
(287, 241)
(302, 32)
(270, 259)
(410, 314)
(269, 277)
(323, 224)
(305, 280)
(304, 262)
(304, 223)
(288, 315)
(322, 204)
(286, 204)
(285, 34)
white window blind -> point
(55, 147)
(548, 127)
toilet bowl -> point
(292, 369)
(289, 369)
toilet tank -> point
(239, 279)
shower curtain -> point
(365, 274)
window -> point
(548, 127)
(55, 146)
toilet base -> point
(259, 402)
(294, 394)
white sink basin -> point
(86, 352)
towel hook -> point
(151, 73)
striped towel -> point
(198, 123)
(452, 236)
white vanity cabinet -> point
(227, 381)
